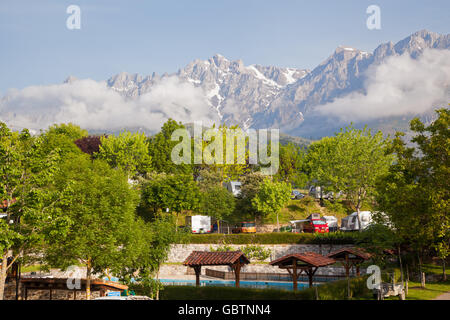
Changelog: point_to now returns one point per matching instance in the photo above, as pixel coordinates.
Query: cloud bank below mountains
(93, 105)
(401, 86)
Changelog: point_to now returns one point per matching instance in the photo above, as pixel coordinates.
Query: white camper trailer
(350, 222)
(198, 224)
(332, 222)
(234, 187)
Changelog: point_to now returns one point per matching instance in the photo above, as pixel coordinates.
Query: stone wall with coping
(179, 252)
(168, 270)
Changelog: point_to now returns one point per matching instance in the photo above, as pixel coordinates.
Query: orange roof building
(308, 262)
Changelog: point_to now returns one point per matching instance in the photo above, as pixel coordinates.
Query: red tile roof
(207, 258)
(310, 258)
(359, 252)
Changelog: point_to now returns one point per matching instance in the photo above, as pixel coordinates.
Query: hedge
(274, 238)
(336, 290)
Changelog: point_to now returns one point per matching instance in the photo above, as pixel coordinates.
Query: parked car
(350, 222)
(295, 194)
(332, 222)
(245, 227)
(318, 192)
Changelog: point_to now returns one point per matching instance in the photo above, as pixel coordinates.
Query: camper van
(312, 224)
(350, 223)
(198, 224)
(332, 222)
(234, 187)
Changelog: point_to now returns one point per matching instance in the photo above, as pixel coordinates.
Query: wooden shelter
(350, 257)
(233, 259)
(61, 284)
(296, 263)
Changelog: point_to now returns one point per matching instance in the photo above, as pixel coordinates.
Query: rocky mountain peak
(268, 96)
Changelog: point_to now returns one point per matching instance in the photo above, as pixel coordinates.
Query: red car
(315, 226)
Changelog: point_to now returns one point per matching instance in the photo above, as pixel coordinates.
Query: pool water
(230, 283)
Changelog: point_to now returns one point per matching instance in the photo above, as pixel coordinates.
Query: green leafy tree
(151, 243)
(26, 173)
(291, 165)
(175, 192)
(250, 184)
(62, 137)
(127, 151)
(272, 197)
(208, 179)
(414, 193)
(160, 149)
(217, 202)
(101, 211)
(350, 162)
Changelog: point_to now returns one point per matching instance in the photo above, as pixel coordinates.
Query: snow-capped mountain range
(268, 96)
(384, 89)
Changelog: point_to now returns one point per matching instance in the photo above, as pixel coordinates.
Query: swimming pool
(230, 283)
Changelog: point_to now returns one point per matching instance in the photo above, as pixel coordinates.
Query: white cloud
(400, 86)
(93, 105)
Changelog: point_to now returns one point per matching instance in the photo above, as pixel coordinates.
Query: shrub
(336, 290)
(307, 201)
(255, 252)
(223, 248)
(336, 207)
(274, 238)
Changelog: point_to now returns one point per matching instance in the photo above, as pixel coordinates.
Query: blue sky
(163, 36)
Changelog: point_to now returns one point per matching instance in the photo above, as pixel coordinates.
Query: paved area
(445, 296)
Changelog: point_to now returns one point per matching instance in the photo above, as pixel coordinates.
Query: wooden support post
(50, 293)
(198, 270)
(26, 293)
(237, 273)
(294, 273)
(74, 294)
(347, 266)
(357, 270)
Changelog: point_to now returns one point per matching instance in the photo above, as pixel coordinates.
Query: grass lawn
(336, 290)
(435, 269)
(431, 290)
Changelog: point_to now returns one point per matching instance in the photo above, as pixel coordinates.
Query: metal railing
(269, 276)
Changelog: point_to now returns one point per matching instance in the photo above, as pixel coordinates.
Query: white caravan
(234, 187)
(332, 222)
(198, 224)
(350, 222)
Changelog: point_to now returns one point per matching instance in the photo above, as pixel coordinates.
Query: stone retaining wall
(168, 270)
(179, 252)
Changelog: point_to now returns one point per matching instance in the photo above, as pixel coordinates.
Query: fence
(269, 276)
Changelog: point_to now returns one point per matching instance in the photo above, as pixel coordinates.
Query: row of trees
(67, 207)
(65, 192)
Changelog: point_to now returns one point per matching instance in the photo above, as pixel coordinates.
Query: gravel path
(445, 296)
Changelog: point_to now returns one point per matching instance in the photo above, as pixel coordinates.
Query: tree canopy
(127, 151)
(350, 162)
